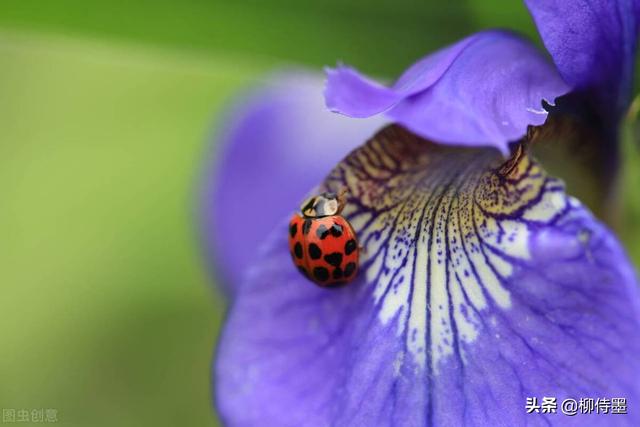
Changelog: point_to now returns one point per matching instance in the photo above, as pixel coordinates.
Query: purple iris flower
(486, 292)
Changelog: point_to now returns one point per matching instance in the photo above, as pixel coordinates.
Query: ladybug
(322, 243)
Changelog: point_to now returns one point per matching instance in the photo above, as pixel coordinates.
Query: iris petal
(483, 90)
(266, 161)
(593, 43)
(482, 283)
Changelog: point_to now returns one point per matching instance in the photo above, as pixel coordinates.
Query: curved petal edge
(482, 91)
(593, 43)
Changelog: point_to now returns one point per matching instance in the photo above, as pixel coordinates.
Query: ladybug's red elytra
(323, 244)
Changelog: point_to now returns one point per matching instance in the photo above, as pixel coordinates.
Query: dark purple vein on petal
(442, 229)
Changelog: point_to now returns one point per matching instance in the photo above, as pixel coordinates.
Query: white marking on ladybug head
(325, 204)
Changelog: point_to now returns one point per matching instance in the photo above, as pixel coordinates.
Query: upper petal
(273, 148)
(482, 284)
(593, 43)
(483, 90)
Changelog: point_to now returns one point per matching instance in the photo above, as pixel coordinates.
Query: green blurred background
(108, 312)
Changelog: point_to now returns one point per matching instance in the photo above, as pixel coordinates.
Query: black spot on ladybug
(306, 226)
(314, 251)
(336, 230)
(350, 246)
(349, 269)
(322, 232)
(337, 273)
(334, 258)
(298, 250)
(303, 270)
(321, 274)
(293, 229)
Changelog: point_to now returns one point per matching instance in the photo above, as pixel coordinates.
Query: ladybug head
(325, 204)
